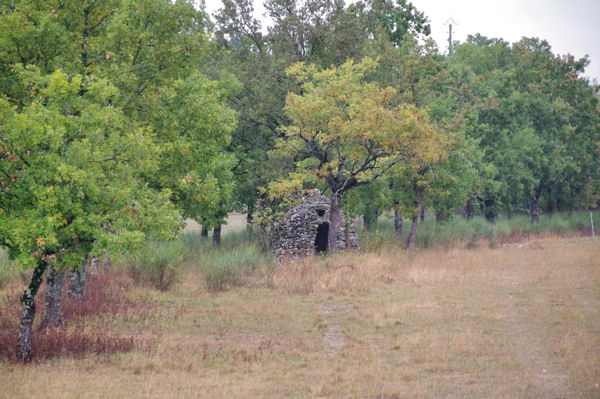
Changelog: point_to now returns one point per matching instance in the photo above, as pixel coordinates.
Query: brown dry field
(522, 321)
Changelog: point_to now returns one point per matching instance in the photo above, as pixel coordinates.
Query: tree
(421, 77)
(243, 52)
(115, 100)
(345, 133)
(323, 32)
(397, 19)
(69, 168)
(533, 109)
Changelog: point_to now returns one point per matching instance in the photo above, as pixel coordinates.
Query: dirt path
(544, 374)
(546, 378)
(333, 337)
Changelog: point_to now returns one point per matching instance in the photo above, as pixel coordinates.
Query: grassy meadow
(489, 315)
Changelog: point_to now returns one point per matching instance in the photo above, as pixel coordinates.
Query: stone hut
(305, 230)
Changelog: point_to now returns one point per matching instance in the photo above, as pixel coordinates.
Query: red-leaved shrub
(75, 337)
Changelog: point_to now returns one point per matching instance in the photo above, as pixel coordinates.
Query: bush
(194, 244)
(73, 338)
(159, 263)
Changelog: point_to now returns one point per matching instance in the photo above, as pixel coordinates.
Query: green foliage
(324, 33)
(7, 269)
(109, 129)
(397, 18)
(349, 127)
(534, 121)
(59, 175)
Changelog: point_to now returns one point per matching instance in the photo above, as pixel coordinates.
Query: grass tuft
(222, 268)
(159, 263)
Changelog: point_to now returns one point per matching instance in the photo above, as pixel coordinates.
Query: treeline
(119, 119)
(499, 127)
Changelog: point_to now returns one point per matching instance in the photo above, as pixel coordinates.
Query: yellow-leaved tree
(346, 131)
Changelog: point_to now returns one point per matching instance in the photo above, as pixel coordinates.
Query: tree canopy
(109, 134)
(347, 132)
(119, 119)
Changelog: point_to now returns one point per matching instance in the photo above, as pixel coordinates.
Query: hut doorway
(322, 238)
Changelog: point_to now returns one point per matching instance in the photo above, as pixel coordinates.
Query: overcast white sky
(570, 26)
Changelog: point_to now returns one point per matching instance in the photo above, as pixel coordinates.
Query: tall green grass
(238, 256)
(224, 268)
(161, 263)
(457, 230)
(158, 262)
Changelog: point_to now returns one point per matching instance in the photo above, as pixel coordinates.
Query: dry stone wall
(299, 233)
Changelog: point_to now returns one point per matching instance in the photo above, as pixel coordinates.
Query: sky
(569, 26)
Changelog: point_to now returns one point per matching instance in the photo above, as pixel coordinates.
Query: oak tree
(347, 132)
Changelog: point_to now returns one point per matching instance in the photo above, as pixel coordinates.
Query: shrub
(159, 263)
(104, 296)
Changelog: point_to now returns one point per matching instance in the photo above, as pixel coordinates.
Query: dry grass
(512, 322)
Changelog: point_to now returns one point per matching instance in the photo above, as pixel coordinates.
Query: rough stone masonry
(304, 230)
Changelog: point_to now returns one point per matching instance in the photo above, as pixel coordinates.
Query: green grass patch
(458, 230)
(162, 262)
(222, 268)
(159, 263)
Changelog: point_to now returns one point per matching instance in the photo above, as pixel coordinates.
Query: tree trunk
(535, 211)
(216, 239)
(370, 218)
(204, 232)
(250, 216)
(535, 205)
(367, 222)
(490, 212)
(76, 280)
(413, 228)
(23, 351)
(469, 210)
(55, 281)
(374, 215)
(335, 216)
(398, 224)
